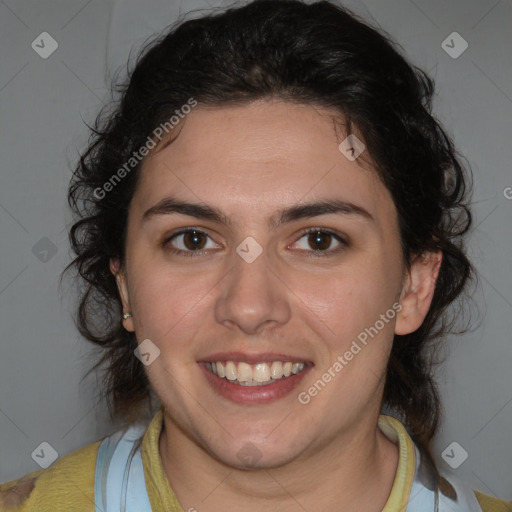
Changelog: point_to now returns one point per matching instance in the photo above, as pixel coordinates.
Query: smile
(260, 374)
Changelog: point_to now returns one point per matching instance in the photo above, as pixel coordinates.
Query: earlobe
(418, 291)
(122, 287)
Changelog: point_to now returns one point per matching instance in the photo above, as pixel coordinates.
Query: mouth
(259, 374)
(254, 382)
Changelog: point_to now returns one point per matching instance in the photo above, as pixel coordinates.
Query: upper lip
(264, 357)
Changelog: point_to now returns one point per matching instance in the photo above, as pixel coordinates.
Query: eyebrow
(171, 205)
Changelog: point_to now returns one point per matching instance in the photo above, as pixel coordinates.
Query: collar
(162, 496)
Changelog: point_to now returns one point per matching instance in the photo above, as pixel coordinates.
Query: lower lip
(253, 394)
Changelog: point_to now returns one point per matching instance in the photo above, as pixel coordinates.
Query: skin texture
(250, 162)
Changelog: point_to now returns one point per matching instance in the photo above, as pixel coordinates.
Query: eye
(190, 240)
(320, 240)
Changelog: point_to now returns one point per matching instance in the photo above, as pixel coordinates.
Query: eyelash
(312, 253)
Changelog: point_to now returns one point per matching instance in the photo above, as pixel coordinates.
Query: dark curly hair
(315, 54)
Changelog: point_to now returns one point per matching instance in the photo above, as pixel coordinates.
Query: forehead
(265, 154)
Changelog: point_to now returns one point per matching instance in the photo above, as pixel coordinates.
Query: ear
(417, 291)
(122, 287)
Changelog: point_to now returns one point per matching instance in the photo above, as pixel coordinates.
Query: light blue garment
(119, 484)
(120, 487)
(433, 491)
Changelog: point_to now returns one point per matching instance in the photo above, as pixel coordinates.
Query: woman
(270, 230)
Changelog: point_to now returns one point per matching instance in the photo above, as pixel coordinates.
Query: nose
(253, 297)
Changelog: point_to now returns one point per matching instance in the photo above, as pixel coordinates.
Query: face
(266, 267)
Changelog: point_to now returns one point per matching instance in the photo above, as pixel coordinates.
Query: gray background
(43, 106)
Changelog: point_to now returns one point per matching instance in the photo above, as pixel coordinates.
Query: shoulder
(490, 504)
(68, 483)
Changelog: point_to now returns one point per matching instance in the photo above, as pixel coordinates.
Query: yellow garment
(404, 477)
(68, 485)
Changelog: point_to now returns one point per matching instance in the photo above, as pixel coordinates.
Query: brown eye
(320, 241)
(189, 241)
(194, 240)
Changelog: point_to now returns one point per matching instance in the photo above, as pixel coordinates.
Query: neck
(359, 477)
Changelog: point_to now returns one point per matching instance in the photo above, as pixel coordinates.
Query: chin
(250, 455)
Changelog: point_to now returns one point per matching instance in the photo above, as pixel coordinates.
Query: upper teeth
(258, 374)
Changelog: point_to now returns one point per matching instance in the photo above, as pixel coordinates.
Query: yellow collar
(162, 497)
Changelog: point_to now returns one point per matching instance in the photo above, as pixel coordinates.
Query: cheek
(355, 313)
(345, 302)
(167, 302)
